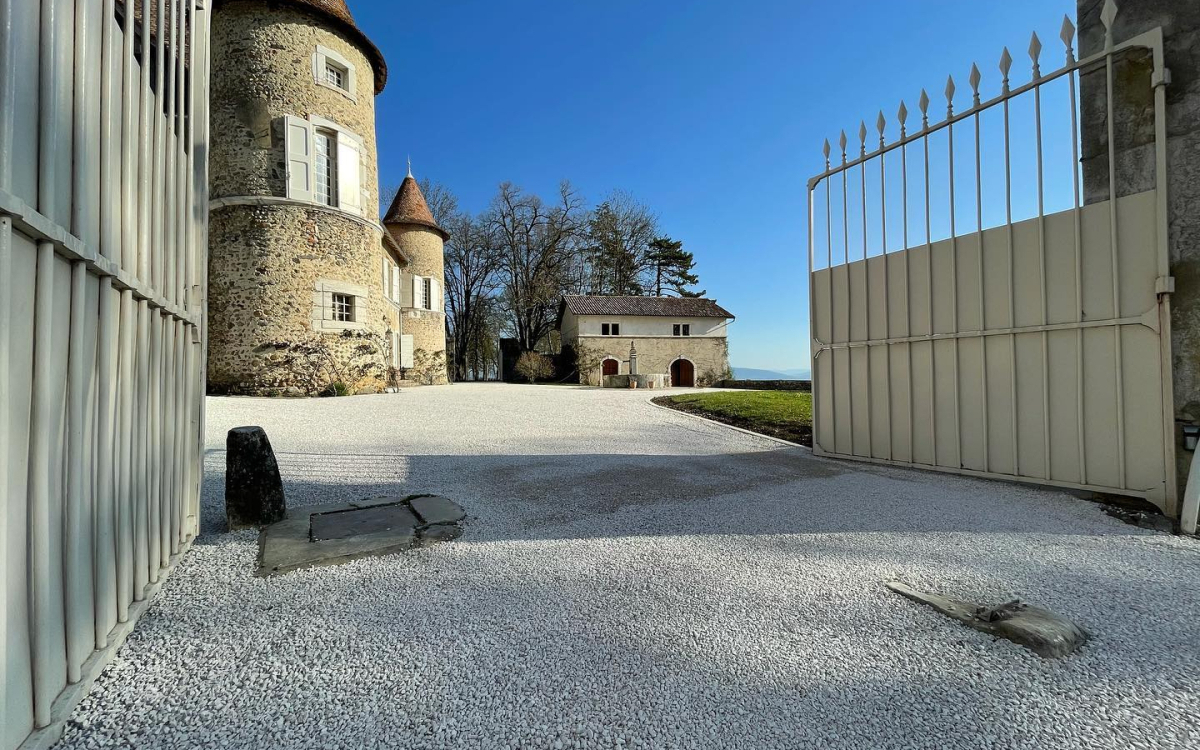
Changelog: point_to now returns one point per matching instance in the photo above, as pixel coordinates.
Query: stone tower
(298, 260)
(411, 225)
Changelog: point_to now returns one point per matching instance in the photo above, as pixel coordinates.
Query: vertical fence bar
(983, 354)
(154, 444)
(145, 172)
(127, 456)
(110, 183)
(923, 102)
(954, 274)
(830, 352)
(1005, 66)
(902, 116)
(5, 364)
(158, 196)
(862, 173)
(130, 170)
(1035, 47)
(7, 128)
(105, 536)
(167, 447)
(812, 324)
(1067, 35)
(887, 275)
(76, 532)
(849, 290)
(1110, 111)
(42, 605)
(141, 431)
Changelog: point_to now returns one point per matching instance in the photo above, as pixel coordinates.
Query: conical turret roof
(409, 207)
(339, 13)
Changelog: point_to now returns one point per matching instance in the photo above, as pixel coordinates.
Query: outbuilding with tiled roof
(683, 338)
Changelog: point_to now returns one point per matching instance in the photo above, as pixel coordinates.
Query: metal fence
(1031, 347)
(103, 126)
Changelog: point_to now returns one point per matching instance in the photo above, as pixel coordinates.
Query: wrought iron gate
(1033, 348)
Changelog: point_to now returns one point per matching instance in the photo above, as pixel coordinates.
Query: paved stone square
(631, 576)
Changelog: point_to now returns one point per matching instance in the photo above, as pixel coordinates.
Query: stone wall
(265, 261)
(264, 265)
(262, 71)
(709, 356)
(1134, 137)
(424, 248)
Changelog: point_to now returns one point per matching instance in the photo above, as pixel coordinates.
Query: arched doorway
(683, 374)
(609, 367)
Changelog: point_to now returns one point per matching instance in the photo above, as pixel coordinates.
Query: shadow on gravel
(785, 491)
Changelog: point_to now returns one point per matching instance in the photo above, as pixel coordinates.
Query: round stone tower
(299, 292)
(411, 224)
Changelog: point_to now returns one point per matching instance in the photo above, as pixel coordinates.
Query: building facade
(418, 287)
(103, 144)
(684, 338)
(305, 284)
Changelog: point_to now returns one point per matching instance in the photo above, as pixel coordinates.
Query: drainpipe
(1189, 518)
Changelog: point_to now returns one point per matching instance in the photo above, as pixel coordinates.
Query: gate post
(1134, 127)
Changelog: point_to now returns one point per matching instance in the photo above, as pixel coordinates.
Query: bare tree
(472, 279)
(537, 243)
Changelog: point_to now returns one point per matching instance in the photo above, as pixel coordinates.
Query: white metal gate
(1030, 348)
(103, 215)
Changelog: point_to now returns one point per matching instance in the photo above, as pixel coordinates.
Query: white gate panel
(1033, 349)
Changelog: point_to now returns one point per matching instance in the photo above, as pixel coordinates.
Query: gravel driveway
(635, 577)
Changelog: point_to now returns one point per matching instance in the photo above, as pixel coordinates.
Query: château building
(305, 286)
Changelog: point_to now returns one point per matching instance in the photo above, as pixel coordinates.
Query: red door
(683, 375)
(609, 367)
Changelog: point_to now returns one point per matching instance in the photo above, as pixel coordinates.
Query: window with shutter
(427, 294)
(415, 287)
(325, 168)
(349, 188)
(298, 137)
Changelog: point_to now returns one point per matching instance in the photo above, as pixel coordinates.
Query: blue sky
(712, 113)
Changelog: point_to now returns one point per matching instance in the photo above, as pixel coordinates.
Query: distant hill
(751, 373)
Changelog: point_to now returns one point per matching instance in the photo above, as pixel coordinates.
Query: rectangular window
(427, 294)
(326, 168)
(343, 308)
(604, 329)
(613, 329)
(335, 75)
(687, 329)
(675, 330)
(681, 329)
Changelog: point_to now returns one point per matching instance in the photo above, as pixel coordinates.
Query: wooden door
(683, 375)
(609, 367)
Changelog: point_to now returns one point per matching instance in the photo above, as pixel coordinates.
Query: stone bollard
(253, 488)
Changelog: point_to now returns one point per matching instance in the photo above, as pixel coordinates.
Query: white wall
(641, 325)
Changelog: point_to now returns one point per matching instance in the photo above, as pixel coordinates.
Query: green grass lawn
(782, 414)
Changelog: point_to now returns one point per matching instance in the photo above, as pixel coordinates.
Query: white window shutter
(349, 169)
(406, 350)
(418, 291)
(396, 283)
(298, 142)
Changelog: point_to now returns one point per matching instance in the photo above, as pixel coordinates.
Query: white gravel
(632, 577)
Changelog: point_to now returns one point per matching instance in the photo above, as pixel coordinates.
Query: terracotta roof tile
(409, 207)
(673, 307)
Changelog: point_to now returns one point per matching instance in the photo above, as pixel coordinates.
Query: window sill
(340, 90)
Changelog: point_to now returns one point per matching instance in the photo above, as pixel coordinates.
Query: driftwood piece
(1040, 630)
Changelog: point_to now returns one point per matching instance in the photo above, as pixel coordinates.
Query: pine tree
(673, 268)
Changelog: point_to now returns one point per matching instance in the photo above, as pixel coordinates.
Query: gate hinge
(1160, 77)
(1164, 285)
